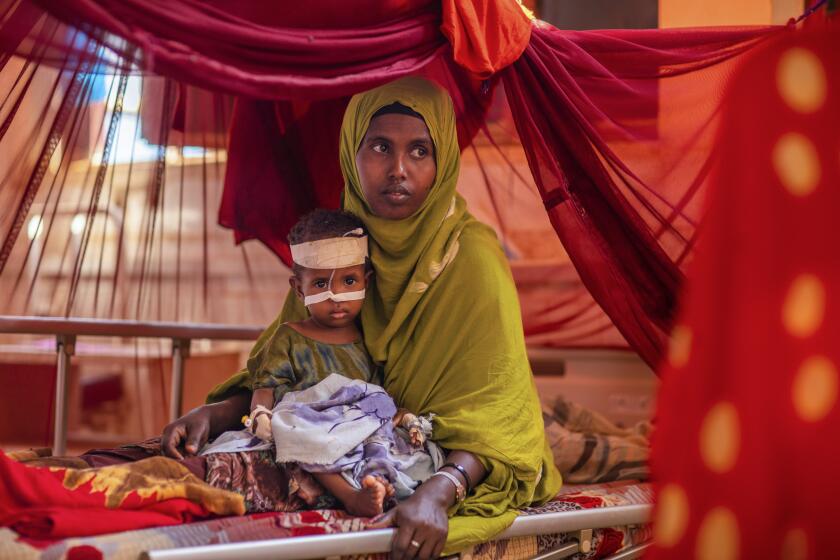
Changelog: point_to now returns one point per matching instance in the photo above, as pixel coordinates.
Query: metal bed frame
(580, 522)
(66, 331)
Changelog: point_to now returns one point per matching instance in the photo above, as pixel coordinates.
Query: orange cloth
(486, 35)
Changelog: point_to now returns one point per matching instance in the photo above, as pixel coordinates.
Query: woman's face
(396, 163)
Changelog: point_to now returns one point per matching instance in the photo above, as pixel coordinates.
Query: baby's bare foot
(369, 500)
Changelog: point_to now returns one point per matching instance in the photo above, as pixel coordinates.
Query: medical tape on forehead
(335, 252)
(325, 295)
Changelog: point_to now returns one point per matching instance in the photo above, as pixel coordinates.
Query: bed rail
(66, 330)
(379, 541)
(128, 329)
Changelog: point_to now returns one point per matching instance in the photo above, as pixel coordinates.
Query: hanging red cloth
(209, 45)
(617, 125)
(486, 35)
(745, 455)
(618, 157)
(283, 156)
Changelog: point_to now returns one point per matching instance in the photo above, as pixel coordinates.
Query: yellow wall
(691, 13)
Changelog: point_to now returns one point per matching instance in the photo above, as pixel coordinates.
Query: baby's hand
(262, 427)
(416, 436)
(259, 423)
(415, 432)
(419, 428)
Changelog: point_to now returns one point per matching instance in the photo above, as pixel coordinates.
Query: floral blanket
(120, 493)
(130, 544)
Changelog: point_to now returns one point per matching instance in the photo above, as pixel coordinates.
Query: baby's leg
(366, 501)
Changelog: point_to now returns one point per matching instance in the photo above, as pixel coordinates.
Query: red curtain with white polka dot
(746, 457)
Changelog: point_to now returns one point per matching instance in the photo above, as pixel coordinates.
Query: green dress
(289, 361)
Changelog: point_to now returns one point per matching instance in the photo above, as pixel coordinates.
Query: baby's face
(333, 314)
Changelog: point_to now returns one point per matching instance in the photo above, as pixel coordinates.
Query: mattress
(268, 530)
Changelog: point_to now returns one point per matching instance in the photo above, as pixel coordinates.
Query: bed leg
(65, 347)
(180, 352)
(583, 545)
(584, 538)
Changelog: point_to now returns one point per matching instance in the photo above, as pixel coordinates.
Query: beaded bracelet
(463, 472)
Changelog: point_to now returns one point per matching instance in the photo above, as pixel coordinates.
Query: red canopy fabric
(745, 456)
(617, 125)
(618, 159)
(282, 162)
(212, 47)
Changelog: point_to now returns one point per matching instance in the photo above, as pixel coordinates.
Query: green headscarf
(400, 248)
(443, 319)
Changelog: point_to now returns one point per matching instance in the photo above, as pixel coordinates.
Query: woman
(442, 319)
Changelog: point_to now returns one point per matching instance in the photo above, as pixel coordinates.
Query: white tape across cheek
(325, 295)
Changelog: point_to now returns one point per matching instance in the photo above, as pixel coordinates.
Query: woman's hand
(421, 521)
(193, 429)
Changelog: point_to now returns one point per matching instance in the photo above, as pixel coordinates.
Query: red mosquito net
(604, 137)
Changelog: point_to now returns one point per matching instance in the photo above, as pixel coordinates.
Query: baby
(316, 389)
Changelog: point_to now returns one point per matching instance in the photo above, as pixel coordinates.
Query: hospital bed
(575, 525)
(586, 521)
(565, 534)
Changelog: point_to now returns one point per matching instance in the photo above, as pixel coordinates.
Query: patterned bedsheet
(604, 541)
(129, 544)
